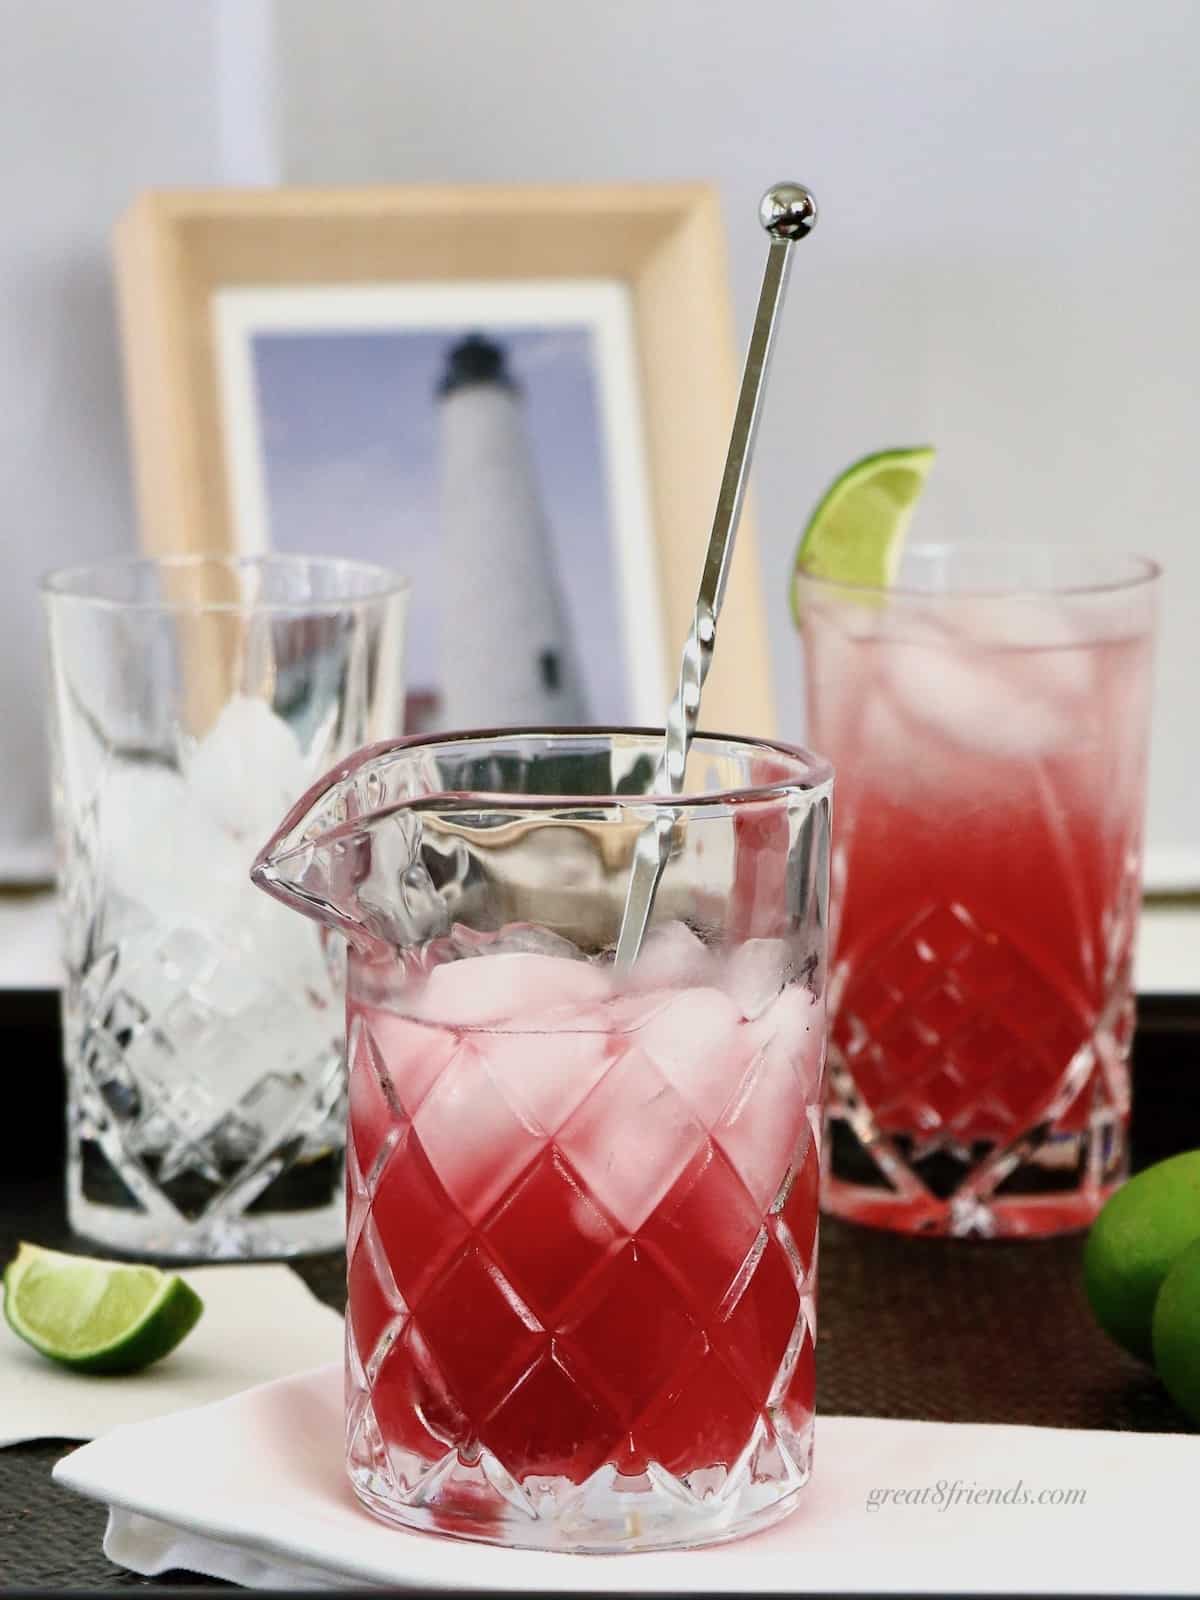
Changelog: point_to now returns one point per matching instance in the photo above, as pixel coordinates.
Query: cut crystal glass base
(219, 1239)
(1051, 1178)
(264, 1177)
(974, 1087)
(605, 1515)
(476, 1498)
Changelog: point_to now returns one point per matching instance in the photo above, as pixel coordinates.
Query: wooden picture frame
(177, 251)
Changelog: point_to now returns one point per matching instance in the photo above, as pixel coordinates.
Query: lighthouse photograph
(507, 649)
(487, 461)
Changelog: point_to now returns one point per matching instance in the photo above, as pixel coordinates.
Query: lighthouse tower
(505, 655)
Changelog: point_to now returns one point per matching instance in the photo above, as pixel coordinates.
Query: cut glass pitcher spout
(347, 852)
(417, 839)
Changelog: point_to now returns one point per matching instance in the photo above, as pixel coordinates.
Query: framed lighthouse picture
(485, 439)
(519, 398)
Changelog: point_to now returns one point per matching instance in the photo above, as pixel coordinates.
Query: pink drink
(582, 1232)
(991, 753)
(582, 1224)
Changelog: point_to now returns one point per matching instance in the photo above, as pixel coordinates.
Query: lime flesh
(96, 1316)
(856, 534)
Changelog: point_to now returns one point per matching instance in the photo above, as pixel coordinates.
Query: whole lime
(1176, 1331)
(1133, 1244)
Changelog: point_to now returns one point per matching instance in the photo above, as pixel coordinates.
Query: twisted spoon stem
(788, 212)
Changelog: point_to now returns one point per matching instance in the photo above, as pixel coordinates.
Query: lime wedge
(857, 532)
(96, 1316)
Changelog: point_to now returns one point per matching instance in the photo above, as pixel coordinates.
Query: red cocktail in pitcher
(989, 719)
(582, 1206)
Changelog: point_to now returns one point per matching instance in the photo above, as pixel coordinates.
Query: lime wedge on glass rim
(856, 534)
(96, 1316)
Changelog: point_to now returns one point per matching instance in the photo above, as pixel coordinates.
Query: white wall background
(96, 100)
(1006, 262)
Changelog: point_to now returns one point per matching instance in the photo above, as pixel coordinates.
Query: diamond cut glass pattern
(602, 1339)
(582, 1203)
(989, 720)
(194, 699)
(912, 1024)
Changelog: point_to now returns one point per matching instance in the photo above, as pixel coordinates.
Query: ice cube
(411, 1055)
(475, 1140)
(694, 1042)
(199, 1066)
(159, 849)
(1048, 636)
(630, 1139)
(792, 1030)
(976, 700)
(764, 1128)
(518, 938)
(533, 990)
(178, 844)
(1008, 621)
(247, 770)
(186, 955)
(629, 1010)
(755, 974)
(1009, 674)
(547, 1075)
(233, 985)
(846, 613)
(671, 957)
(260, 943)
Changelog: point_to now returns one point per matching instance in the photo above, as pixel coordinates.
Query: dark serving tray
(1010, 1333)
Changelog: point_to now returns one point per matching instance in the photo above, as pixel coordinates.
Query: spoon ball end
(788, 211)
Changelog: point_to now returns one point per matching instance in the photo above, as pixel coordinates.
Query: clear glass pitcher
(582, 1208)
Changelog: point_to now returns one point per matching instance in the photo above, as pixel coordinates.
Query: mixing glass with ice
(582, 1207)
(988, 717)
(193, 698)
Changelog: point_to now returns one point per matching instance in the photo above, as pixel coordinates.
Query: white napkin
(259, 1323)
(252, 1490)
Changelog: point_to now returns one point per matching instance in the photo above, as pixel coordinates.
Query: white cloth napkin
(259, 1323)
(253, 1490)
